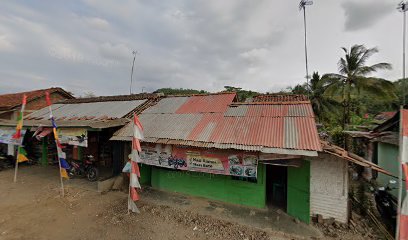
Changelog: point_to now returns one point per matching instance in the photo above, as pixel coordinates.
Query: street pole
(131, 73)
(307, 67)
(402, 7)
(302, 6)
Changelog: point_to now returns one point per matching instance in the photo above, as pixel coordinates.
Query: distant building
(10, 104)
(10, 107)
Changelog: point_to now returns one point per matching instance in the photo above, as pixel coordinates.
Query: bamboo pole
(16, 167)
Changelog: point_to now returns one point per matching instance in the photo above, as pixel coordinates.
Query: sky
(86, 45)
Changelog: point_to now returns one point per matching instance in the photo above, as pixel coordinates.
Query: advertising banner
(73, 136)
(6, 136)
(209, 161)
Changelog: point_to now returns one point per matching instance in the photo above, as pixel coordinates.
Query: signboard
(73, 136)
(216, 162)
(6, 136)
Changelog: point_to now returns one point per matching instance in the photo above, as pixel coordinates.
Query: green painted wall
(299, 192)
(212, 186)
(145, 174)
(388, 159)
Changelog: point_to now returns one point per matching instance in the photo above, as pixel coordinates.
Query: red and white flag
(403, 224)
(134, 170)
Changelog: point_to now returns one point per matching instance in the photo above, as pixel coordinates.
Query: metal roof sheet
(267, 127)
(280, 98)
(87, 111)
(167, 105)
(214, 103)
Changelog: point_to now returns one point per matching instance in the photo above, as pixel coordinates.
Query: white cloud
(87, 45)
(5, 44)
(97, 23)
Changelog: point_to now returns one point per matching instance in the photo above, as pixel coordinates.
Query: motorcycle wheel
(92, 174)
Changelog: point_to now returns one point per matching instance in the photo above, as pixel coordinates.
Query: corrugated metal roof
(167, 105)
(237, 111)
(280, 98)
(97, 124)
(213, 103)
(88, 111)
(275, 128)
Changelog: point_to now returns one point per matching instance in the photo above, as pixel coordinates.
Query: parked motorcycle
(386, 203)
(86, 168)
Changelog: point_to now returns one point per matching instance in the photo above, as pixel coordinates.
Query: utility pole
(302, 6)
(131, 73)
(402, 7)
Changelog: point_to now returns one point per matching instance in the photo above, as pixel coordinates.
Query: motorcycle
(386, 203)
(86, 168)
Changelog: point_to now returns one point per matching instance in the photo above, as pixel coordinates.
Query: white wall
(329, 187)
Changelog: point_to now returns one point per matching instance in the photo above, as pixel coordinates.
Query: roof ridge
(36, 90)
(112, 98)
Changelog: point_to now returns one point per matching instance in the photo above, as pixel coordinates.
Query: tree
(323, 106)
(88, 94)
(242, 95)
(353, 79)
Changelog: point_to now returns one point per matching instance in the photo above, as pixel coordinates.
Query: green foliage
(242, 95)
(179, 91)
(337, 135)
(354, 80)
(401, 87)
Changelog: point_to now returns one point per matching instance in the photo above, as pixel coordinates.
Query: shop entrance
(276, 186)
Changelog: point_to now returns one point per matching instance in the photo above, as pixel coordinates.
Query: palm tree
(353, 79)
(323, 106)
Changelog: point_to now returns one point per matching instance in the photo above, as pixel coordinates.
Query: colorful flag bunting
(18, 136)
(19, 126)
(22, 155)
(61, 154)
(134, 168)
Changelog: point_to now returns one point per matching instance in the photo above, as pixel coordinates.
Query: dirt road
(33, 209)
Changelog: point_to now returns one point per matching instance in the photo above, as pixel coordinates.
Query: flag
(64, 165)
(134, 168)
(19, 126)
(22, 155)
(403, 225)
(64, 173)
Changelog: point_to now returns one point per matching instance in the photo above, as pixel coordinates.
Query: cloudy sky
(87, 45)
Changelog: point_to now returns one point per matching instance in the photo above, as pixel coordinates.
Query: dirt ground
(33, 209)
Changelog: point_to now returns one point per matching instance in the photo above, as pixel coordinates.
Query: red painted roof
(216, 121)
(216, 103)
(275, 126)
(9, 101)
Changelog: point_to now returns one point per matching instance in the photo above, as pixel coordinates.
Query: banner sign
(6, 136)
(209, 161)
(73, 136)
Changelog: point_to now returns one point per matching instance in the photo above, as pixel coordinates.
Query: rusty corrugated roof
(280, 98)
(214, 120)
(213, 103)
(8, 101)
